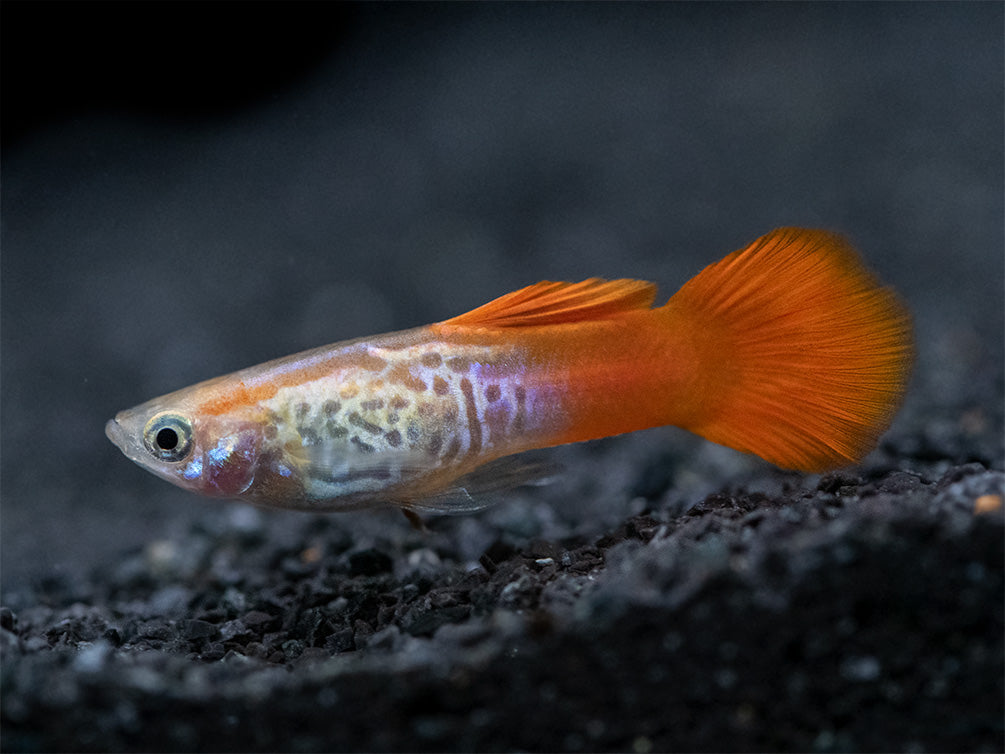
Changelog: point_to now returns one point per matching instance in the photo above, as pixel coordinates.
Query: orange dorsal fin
(805, 355)
(550, 303)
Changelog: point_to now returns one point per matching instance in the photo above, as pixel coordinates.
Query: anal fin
(480, 488)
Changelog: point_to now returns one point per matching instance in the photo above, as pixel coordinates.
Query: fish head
(219, 456)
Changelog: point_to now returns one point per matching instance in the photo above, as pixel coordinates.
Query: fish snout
(115, 433)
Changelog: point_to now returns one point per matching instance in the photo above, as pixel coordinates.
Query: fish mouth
(115, 433)
(125, 440)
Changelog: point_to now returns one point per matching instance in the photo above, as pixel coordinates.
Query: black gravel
(662, 593)
(864, 613)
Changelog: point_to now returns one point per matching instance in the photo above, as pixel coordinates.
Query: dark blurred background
(191, 188)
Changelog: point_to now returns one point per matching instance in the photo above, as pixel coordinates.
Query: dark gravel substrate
(239, 200)
(862, 614)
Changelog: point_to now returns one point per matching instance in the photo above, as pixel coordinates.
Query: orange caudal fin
(804, 355)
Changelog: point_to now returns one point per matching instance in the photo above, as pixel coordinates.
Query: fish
(789, 349)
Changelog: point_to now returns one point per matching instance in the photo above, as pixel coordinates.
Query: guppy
(789, 349)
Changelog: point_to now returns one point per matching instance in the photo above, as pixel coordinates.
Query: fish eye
(168, 436)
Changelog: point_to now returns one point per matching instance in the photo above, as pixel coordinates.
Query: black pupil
(167, 439)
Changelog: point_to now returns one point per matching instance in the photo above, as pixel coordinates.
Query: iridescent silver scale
(398, 414)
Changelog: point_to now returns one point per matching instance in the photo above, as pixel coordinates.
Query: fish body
(788, 349)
